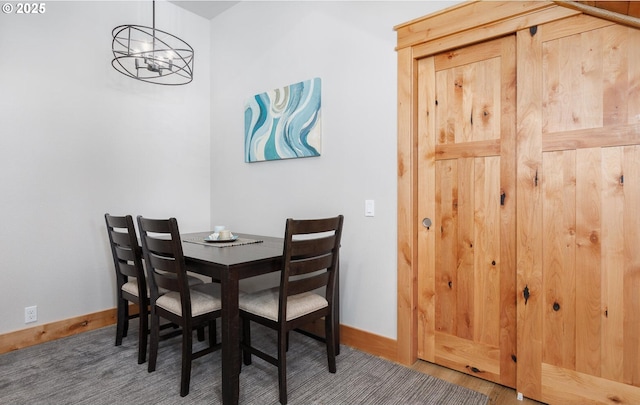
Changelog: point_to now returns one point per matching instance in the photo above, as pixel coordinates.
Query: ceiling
(205, 8)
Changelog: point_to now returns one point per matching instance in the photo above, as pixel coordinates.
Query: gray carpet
(89, 369)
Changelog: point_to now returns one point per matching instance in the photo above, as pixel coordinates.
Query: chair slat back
(307, 284)
(163, 254)
(311, 257)
(126, 252)
(315, 247)
(310, 263)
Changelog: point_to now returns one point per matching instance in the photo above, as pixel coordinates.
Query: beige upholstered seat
(204, 298)
(265, 304)
(190, 307)
(131, 286)
(310, 263)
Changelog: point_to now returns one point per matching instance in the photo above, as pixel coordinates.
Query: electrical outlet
(30, 314)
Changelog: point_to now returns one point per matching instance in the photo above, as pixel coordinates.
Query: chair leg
(213, 333)
(331, 343)
(282, 366)
(246, 339)
(142, 335)
(201, 334)
(122, 320)
(155, 338)
(287, 340)
(187, 350)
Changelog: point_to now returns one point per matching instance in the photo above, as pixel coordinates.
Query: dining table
(248, 256)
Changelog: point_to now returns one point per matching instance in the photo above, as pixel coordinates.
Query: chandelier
(151, 55)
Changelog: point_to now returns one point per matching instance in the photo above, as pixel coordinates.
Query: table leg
(230, 339)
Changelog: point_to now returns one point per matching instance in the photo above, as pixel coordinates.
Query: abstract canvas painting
(284, 123)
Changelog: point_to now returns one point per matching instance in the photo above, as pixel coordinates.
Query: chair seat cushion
(131, 286)
(205, 298)
(265, 304)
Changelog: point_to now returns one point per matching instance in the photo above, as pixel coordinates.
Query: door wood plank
(559, 225)
(631, 288)
(588, 261)
(469, 357)
(486, 265)
(468, 55)
(508, 330)
(568, 387)
(468, 149)
(572, 26)
(616, 75)
(426, 208)
(529, 214)
(464, 277)
(407, 228)
(486, 106)
(446, 282)
(613, 261)
(616, 135)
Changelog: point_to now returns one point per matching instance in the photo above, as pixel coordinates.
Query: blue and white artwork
(284, 123)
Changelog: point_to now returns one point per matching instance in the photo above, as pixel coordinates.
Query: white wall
(259, 46)
(78, 139)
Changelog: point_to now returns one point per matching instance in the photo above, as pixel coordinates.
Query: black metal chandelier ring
(151, 55)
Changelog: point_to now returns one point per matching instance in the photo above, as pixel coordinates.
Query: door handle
(426, 222)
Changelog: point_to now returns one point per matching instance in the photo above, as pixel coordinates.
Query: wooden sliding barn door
(466, 195)
(579, 212)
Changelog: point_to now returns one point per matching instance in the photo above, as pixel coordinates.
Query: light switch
(369, 208)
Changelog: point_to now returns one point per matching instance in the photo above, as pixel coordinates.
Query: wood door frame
(454, 27)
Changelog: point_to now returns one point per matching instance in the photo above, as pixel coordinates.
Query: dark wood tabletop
(209, 259)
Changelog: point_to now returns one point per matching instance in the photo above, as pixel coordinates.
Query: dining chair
(131, 282)
(305, 293)
(130, 279)
(190, 307)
